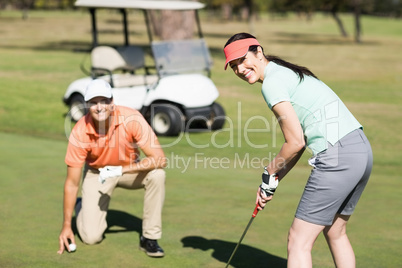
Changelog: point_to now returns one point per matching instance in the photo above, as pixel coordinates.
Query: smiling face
(250, 68)
(100, 109)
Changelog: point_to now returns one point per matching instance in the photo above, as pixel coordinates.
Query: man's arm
(71, 187)
(155, 158)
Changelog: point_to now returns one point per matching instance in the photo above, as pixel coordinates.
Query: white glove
(109, 172)
(269, 183)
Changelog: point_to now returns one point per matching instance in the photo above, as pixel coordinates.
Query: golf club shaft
(244, 233)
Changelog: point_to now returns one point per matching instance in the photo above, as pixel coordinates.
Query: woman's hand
(262, 199)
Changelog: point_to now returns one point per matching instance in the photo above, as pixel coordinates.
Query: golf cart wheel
(77, 107)
(217, 119)
(166, 120)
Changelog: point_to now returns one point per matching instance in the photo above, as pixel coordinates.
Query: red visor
(238, 49)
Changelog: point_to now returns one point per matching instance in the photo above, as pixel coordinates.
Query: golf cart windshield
(181, 56)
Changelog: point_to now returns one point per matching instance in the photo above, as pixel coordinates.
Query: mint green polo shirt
(322, 115)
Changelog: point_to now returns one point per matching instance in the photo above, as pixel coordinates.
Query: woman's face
(251, 67)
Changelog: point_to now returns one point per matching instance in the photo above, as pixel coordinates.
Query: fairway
(212, 178)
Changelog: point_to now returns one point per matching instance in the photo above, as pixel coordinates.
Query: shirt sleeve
(140, 130)
(76, 153)
(275, 90)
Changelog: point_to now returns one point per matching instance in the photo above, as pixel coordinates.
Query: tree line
(243, 8)
(247, 10)
(250, 9)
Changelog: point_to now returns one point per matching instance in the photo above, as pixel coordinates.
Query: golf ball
(72, 247)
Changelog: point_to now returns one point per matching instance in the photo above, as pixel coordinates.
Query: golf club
(244, 233)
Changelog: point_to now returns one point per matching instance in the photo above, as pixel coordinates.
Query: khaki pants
(91, 220)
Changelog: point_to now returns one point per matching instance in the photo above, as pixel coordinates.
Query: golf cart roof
(141, 4)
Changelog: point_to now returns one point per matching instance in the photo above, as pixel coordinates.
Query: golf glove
(109, 172)
(269, 183)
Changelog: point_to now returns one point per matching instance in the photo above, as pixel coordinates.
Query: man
(106, 144)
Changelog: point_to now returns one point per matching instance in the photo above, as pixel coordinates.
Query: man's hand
(65, 239)
(109, 172)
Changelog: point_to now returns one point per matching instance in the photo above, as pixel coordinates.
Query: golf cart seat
(106, 61)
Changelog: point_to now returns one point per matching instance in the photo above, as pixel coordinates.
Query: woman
(309, 114)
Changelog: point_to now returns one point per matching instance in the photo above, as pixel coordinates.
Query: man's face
(100, 109)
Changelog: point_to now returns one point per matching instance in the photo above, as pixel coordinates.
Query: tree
(173, 24)
(357, 11)
(332, 6)
(335, 7)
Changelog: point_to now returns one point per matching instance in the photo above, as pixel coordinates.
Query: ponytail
(299, 70)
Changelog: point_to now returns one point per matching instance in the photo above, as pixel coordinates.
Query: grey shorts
(337, 180)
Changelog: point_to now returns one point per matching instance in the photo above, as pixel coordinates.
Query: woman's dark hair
(299, 70)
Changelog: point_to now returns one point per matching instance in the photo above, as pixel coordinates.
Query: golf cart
(174, 95)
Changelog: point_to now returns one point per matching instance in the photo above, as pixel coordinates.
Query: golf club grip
(255, 210)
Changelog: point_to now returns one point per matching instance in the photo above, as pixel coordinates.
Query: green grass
(207, 205)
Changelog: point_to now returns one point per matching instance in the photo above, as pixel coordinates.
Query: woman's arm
(291, 150)
(293, 147)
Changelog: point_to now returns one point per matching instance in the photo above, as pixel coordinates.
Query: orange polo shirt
(128, 132)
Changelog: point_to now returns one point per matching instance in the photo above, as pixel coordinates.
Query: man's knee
(89, 233)
(156, 176)
(91, 238)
